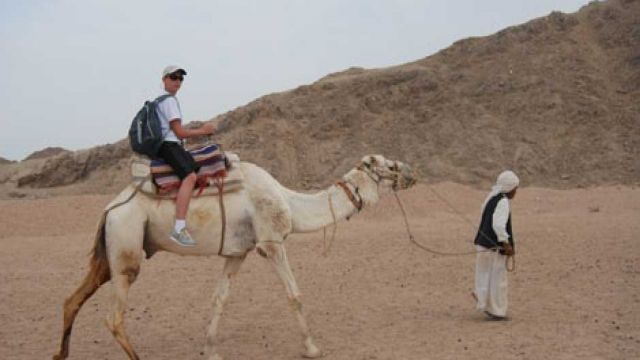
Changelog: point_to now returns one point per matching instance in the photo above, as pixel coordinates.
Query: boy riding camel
(172, 151)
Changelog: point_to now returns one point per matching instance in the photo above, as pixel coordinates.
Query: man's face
(511, 194)
(172, 82)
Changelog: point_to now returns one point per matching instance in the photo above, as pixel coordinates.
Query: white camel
(260, 215)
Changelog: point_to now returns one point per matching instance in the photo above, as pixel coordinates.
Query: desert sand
(554, 99)
(574, 295)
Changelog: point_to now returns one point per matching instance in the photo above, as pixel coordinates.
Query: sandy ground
(575, 294)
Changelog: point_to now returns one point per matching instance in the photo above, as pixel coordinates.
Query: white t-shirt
(167, 110)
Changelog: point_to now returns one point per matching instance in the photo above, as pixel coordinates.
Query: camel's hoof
(312, 353)
(59, 357)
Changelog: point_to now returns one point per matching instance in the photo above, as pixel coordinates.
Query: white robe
(491, 282)
(491, 268)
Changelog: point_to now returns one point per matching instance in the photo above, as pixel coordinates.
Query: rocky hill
(45, 153)
(4, 161)
(555, 99)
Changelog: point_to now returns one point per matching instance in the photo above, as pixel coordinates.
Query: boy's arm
(183, 132)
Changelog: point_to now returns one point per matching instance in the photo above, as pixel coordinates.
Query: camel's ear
(366, 161)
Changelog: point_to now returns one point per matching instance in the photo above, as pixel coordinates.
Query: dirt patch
(575, 293)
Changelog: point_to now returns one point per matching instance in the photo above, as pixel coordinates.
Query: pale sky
(77, 71)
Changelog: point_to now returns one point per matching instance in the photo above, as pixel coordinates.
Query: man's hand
(207, 129)
(508, 249)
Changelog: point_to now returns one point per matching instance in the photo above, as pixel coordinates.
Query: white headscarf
(507, 181)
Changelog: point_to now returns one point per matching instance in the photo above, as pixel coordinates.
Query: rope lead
(510, 258)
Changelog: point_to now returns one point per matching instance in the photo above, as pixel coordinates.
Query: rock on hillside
(555, 99)
(5, 161)
(47, 152)
(70, 167)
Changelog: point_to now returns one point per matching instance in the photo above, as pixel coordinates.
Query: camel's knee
(71, 307)
(218, 302)
(295, 303)
(268, 249)
(114, 323)
(109, 323)
(128, 264)
(262, 249)
(131, 272)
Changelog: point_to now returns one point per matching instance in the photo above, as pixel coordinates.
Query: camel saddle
(157, 179)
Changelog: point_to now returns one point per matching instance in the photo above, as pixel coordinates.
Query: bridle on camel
(355, 197)
(394, 174)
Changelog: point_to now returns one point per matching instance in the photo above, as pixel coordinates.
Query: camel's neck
(311, 212)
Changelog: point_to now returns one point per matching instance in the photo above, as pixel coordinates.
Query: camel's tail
(98, 275)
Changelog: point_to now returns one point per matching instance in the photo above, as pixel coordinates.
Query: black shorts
(180, 160)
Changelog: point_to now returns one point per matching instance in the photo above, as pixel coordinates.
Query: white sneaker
(182, 238)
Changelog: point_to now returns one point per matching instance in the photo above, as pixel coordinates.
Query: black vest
(486, 236)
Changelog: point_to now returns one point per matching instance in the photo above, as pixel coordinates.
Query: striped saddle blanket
(213, 165)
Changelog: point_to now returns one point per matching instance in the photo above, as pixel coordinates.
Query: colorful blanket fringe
(212, 166)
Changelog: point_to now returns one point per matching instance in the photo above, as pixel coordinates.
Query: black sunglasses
(175, 77)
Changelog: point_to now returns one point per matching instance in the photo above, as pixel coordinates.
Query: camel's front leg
(231, 267)
(277, 255)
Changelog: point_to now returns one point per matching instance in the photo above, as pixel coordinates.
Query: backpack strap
(161, 98)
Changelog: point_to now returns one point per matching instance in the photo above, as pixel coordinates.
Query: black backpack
(145, 134)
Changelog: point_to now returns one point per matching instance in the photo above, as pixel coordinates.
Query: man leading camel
(494, 243)
(172, 151)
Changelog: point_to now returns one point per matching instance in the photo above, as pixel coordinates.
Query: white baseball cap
(172, 69)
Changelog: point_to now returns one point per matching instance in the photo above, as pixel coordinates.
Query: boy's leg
(185, 167)
(184, 196)
(180, 233)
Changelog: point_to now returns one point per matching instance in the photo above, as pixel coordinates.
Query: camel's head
(395, 174)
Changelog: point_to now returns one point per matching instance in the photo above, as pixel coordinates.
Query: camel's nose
(411, 181)
(408, 176)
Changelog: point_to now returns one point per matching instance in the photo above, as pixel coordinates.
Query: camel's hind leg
(277, 255)
(125, 257)
(122, 276)
(91, 283)
(98, 275)
(231, 267)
